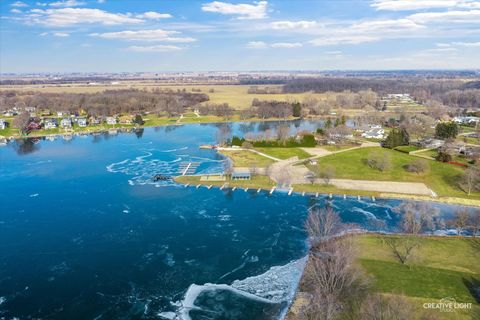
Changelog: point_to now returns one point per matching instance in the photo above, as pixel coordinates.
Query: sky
(190, 35)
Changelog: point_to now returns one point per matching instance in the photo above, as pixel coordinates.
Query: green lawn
(406, 149)
(439, 267)
(285, 153)
(243, 158)
(442, 178)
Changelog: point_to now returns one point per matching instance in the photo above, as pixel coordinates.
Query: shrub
(418, 166)
(379, 160)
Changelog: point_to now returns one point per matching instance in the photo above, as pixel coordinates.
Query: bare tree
(402, 246)
(321, 224)
(461, 220)
(380, 307)
(417, 217)
(310, 176)
(418, 166)
(283, 131)
(379, 160)
(471, 179)
(325, 173)
(21, 120)
(474, 222)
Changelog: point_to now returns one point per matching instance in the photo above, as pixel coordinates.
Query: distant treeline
(452, 93)
(105, 103)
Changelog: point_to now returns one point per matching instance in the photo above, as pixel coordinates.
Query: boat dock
(188, 168)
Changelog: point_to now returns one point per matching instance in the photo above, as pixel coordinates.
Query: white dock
(223, 186)
(234, 188)
(184, 172)
(373, 198)
(273, 189)
(358, 198)
(259, 189)
(290, 191)
(330, 196)
(246, 189)
(316, 195)
(187, 185)
(303, 194)
(344, 196)
(209, 187)
(198, 186)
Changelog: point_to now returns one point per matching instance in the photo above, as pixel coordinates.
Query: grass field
(285, 153)
(243, 158)
(441, 268)
(236, 96)
(442, 178)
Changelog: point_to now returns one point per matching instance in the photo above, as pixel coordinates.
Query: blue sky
(184, 35)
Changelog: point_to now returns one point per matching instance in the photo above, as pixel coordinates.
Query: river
(86, 234)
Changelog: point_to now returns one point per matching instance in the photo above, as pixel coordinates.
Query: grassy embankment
(442, 178)
(284, 153)
(441, 267)
(257, 182)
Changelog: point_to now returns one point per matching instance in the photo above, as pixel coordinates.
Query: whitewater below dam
(85, 233)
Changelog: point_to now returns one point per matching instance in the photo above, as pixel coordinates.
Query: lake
(86, 234)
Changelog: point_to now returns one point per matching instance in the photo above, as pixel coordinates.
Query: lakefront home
(111, 120)
(66, 123)
(50, 124)
(377, 133)
(82, 122)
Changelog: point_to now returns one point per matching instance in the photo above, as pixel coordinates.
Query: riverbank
(441, 267)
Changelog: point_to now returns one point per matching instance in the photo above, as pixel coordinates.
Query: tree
(460, 222)
(444, 156)
(416, 217)
(325, 173)
(397, 137)
(382, 307)
(283, 132)
(474, 222)
(321, 224)
(446, 130)
(379, 160)
(402, 246)
(471, 179)
(418, 166)
(138, 120)
(310, 176)
(21, 121)
(296, 109)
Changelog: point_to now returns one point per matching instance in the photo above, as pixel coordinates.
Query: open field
(244, 158)
(441, 267)
(235, 95)
(442, 178)
(285, 153)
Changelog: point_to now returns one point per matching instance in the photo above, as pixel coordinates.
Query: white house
(66, 123)
(111, 120)
(3, 124)
(82, 122)
(374, 134)
(50, 124)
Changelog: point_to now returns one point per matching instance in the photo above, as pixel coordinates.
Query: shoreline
(91, 131)
(238, 185)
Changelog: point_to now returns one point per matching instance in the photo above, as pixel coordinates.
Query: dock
(273, 189)
(290, 191)
(234, 188)
(188, 168)
(316, 195)
(259, 190)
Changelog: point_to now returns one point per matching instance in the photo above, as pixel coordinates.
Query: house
(313, 162)
(82, 122)
(377, 133)
(66, 123)
(3, 124)
(60, 114)
(466, 120)
(50, 124)
(111, 120)
(430, 143)
(127, 119)
(241, 174)
(94, 120)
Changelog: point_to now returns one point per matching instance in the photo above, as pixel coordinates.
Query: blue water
(86, 234)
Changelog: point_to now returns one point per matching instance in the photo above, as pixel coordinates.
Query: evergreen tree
(297, 109)
(446, 130)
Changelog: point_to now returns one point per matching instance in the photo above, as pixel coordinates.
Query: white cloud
(66, 3)
(256, 45)
(285, 25)
(61, 34)
(157, 48)
(263, 45)
(407, 5)
(337, 40)
(43, 34)
(154, 15)
(386, 26)
(286, 45)
(155, 35)
(19, 4)
(258, 10)
(15, 11)
(101, 1)
(74, 16)
(459, 44)
(469, 16)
